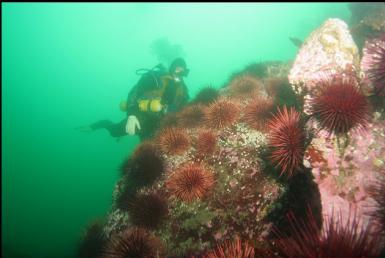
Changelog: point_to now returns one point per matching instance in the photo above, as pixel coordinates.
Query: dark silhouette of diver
(156, 93)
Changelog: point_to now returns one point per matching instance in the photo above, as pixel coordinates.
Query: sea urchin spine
(232, 249)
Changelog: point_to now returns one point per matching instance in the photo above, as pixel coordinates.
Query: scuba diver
(157, 92)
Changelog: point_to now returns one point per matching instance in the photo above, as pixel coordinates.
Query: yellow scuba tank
(152, 105)
(152, 101)
(145, 105)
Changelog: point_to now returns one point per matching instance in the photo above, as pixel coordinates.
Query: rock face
(344, 166)
(331, 49)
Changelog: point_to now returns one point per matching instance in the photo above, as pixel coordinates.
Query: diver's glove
(132, 124)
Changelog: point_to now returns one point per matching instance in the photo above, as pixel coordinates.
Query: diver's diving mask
(181, 71)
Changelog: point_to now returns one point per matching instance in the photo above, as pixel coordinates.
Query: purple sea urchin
(373, 63)
(134, 243)
(377, 192)
(145, 165)
(147, 210)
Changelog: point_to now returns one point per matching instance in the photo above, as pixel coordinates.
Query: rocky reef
(218, 182)
(221, 176)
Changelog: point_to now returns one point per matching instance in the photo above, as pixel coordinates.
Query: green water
(69, 64)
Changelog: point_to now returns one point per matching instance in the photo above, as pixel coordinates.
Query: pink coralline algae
(345, 167)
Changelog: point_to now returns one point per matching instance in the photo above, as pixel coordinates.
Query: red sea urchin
(134, 243)
(232, 249)
(174, 141)
(286, 140)
(257, 112)
(190, 182)
(221, 113)
(373, 64)
(339, 106)
(338, 239)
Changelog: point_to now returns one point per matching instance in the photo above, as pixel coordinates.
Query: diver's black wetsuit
(149, 121)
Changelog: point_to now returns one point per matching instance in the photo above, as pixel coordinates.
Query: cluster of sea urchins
(142, 169)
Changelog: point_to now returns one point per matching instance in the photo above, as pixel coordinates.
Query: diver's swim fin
(84, 129)
(296, 41)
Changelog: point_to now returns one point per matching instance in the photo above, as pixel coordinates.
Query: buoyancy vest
(151, 101)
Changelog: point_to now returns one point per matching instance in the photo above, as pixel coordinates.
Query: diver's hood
(179, 62)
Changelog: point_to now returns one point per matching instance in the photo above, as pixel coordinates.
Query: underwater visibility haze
(285, 116)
